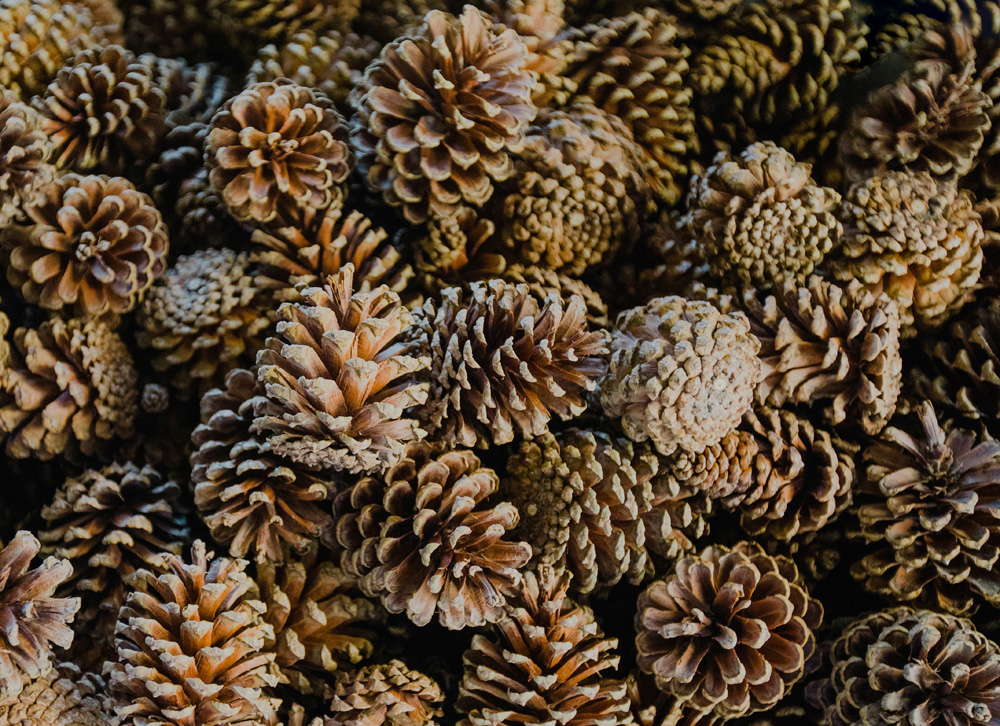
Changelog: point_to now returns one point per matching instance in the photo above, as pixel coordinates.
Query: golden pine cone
(257, 22)
(25, 151)
(62, 696)
(389, 694)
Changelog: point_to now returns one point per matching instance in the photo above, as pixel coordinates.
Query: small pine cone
(671, 260)
(550, 664)
(439, 113)
(93, 244)
(70, 386)
(582, 496)
(251, 499)
(457, 250)
(202, 218)
(388, 20)
(760, 218)
(203, 318)
(33, 618)
(917, 240)
(422, 539)
(62, 696)
(919, 499)
(504, 364)
(340, 381)
(389, 694)
(543, 282)
(682, 373)
(723, 470)
(191, 646)
(744, 613)
(256, 22)
(677, 519)
(103, 110)
(275, 149)
(25, 151)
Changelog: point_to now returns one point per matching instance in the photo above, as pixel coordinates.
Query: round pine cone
(62, 696)
(251, 499)
(681, 373)
(504, 363)
(70, 386)
(104, 110)
(729, 631)
(440, 111)
(925, 506)
(25, 150)
(389, 694)
(256, 22)
(551, 664)
(276, 149)
(760, 218)
(339, 380)
(202, 319)
(421, 538)
(93, 244)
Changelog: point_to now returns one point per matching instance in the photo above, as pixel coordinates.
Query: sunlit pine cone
(915, 239)
(550, 664)
(677, 520)
(423, 539)
(503, 364)
(723, 470)
(760, 218)
(253, 23)
(541, 25)
(390, 694)
(62, 696)
(440, 112)
(25, 153)
(276, 148)
(93, 244)
(191, 646)
(70, 387)
(257, 503)
(744, 613)
(681, 373)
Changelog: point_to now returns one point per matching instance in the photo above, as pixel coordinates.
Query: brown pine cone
(456, 250)
(760, 218)
(389, 694)
(33, 619)
(682, 373)
(256, 22)
(339, 379)
(194, 91)
(202, 218)
(70, 387)
(541, 25)
(93, 243)
(191, 646)
(551, 664)
(723, 470)
(670, 260)
(504, 364)
(254, 501)
(676, 521)
(729, 631)
(203, 318)
(275, 149)
(462, 106)
(62, 696)
(387, 20)
(543, 282)
(25, 151)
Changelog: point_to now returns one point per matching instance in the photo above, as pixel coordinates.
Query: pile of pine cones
(526, 363)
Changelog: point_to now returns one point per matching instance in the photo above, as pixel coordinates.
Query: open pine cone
(25, 152)
(62, 696)
(389, 694)
(723, 470)
(255, 22)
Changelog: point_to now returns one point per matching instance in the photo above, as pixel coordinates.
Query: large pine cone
(504, 363)
(63, 696)
(93, 244)
(191, 647)
(548, 665)
(389, 694)
(70, 386)
(682, 373)
(25, 151)
(424, 540)
(439, 112)
(729, 631)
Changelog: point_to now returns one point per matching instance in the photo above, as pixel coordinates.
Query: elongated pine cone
(71, 386)
(62, 696)
(339, 380)
(729, 631)
(25, 153)
(504, 363)
(581, 495)
(258, 503)
(93, 244)
(275, 149)
(550, 664)
(760, 218)
(919, 499)
(682, 373)
(389, 694)
(191, 647)
(439, 113)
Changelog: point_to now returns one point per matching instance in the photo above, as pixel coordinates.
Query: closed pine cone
(389, 694)
(457, 250)
(723, 470)
(62, 696)
(256, 22)
(25, 151)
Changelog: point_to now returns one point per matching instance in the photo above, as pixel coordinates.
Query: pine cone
(25, 151)
(94, 244)
(457, 250)
(70, 386)
(549, 665)
(254, 501)
(387, 20)
(202, 319)
(389, 694)
(920, 498)
(760, 218)
(746, 617)
(681, 373)
(33, 619)
(62, 696)
(202, 218)
(670, 260)
(435, 144)
(543, 282)
(277, 148)
(256, 22)
(503, 363)
(339, 380)
(677, 519)
(722, 470)
(173, 29)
